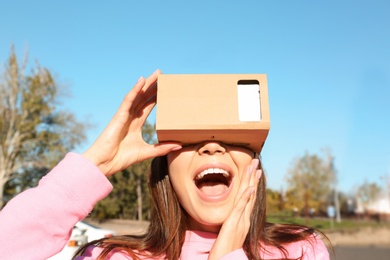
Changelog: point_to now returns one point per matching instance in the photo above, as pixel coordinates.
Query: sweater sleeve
(37, 223)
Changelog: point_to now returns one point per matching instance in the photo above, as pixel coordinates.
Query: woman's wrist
(90, 156)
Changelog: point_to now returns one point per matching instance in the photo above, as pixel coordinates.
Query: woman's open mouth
(213, 182)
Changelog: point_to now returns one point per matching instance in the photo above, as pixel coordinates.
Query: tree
(309, 183)
(368, 192)
(130, 198)
(274, 201)
(34, 133)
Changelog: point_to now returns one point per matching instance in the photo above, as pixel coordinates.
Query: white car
(81, 234)
(93, 232)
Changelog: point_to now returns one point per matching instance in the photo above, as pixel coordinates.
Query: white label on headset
(249, 102)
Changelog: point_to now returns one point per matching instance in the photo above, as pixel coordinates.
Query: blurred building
(377, 209)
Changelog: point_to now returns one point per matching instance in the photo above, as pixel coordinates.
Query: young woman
(209, 200)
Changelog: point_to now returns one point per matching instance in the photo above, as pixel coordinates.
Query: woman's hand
(235, 228)
(121, 144)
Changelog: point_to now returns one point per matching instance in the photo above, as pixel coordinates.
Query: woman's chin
(208, 224)
(206, 228)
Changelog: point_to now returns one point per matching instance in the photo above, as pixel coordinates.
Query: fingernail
(256, 162)
(258, 174)
(176, 148)
(140, 78)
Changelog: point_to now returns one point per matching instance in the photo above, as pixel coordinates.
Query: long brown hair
(168, 224)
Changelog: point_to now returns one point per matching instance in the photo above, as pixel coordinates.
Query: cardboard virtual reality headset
(230, 108)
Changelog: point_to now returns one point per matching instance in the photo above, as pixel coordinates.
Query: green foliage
(310, 181)
(368, 192)
(274, 201)
(324, 224)
(34, 133)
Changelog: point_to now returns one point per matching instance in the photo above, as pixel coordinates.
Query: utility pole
(139, 198)
(336, 194)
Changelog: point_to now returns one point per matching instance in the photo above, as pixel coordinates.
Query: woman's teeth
(212, 171)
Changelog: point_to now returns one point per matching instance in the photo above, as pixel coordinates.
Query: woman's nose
(211, 148)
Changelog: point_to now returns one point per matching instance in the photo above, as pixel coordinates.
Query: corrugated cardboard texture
(192, 108)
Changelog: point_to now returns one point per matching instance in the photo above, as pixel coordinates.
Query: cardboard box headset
(231, 108)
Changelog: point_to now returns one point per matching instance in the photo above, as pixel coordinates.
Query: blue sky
(328, 65)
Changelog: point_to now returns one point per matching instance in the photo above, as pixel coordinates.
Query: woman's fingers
(243, 204)
(160, 149)
(256, 178)
(145, 97)
(149, 81)
(246, 200)
(247, 178)
(121, 143)
(132, 97)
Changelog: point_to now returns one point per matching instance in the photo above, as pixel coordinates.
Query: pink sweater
(37, 223)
